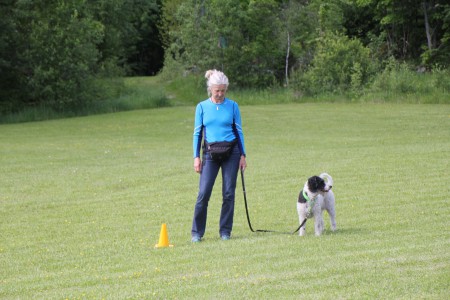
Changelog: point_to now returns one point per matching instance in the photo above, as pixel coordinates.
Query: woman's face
(218, 92)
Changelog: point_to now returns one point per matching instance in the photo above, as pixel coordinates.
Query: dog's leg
(318, 220)
(331, 210)
(318, 224)
(301, 209)
(332, 214)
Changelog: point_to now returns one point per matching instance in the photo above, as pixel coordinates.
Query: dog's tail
(327, 178)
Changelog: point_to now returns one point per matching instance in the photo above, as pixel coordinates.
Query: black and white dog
(316, 197)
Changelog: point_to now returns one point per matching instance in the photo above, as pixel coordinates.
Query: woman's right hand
(198, 165)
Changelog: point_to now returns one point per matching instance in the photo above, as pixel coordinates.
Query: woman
(217, 119)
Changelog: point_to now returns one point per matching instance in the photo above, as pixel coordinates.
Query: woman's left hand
(197, 165)
(242, 163)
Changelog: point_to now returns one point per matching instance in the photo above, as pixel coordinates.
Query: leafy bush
(340, 65)
(401, 83)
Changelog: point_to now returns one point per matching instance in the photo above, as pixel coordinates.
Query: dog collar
(305, 195)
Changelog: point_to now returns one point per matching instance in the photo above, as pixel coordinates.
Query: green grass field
(82, 201)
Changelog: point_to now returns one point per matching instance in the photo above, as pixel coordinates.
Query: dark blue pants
(210, 169)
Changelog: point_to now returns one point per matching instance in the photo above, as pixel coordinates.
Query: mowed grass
(82, 201)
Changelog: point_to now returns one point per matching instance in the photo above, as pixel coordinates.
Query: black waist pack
(220, 151)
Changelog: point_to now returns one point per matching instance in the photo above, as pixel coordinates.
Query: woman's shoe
(196, 239)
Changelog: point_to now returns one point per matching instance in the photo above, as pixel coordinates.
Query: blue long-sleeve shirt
(217, 119)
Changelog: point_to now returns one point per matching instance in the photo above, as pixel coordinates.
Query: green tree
(10, 70)
(60, 53)
(146, 54)
(237, 36)
(408, 30)
(131, 37)
(437, 29)
(262, 54)
(297, 36)
(53, 53)
(168, 22)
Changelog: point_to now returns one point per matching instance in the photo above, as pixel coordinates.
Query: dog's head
(320, 184)
(316, 184)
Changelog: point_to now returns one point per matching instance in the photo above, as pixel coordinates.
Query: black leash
(248, 216)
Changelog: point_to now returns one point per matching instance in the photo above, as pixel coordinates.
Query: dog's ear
(311, 182)
(316, 183)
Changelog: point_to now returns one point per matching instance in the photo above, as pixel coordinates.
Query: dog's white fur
(324, 200)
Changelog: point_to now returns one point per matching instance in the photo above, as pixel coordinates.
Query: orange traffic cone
(163, 238)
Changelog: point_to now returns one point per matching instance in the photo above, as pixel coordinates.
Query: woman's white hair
(214, 77)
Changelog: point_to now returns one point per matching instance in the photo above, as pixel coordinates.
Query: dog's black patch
(315, 184)
(301, 198)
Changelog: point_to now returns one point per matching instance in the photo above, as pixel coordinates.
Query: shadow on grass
(345, 231)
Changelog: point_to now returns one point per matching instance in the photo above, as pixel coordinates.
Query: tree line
(60, 53)
(56, 53)
(313, 46)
